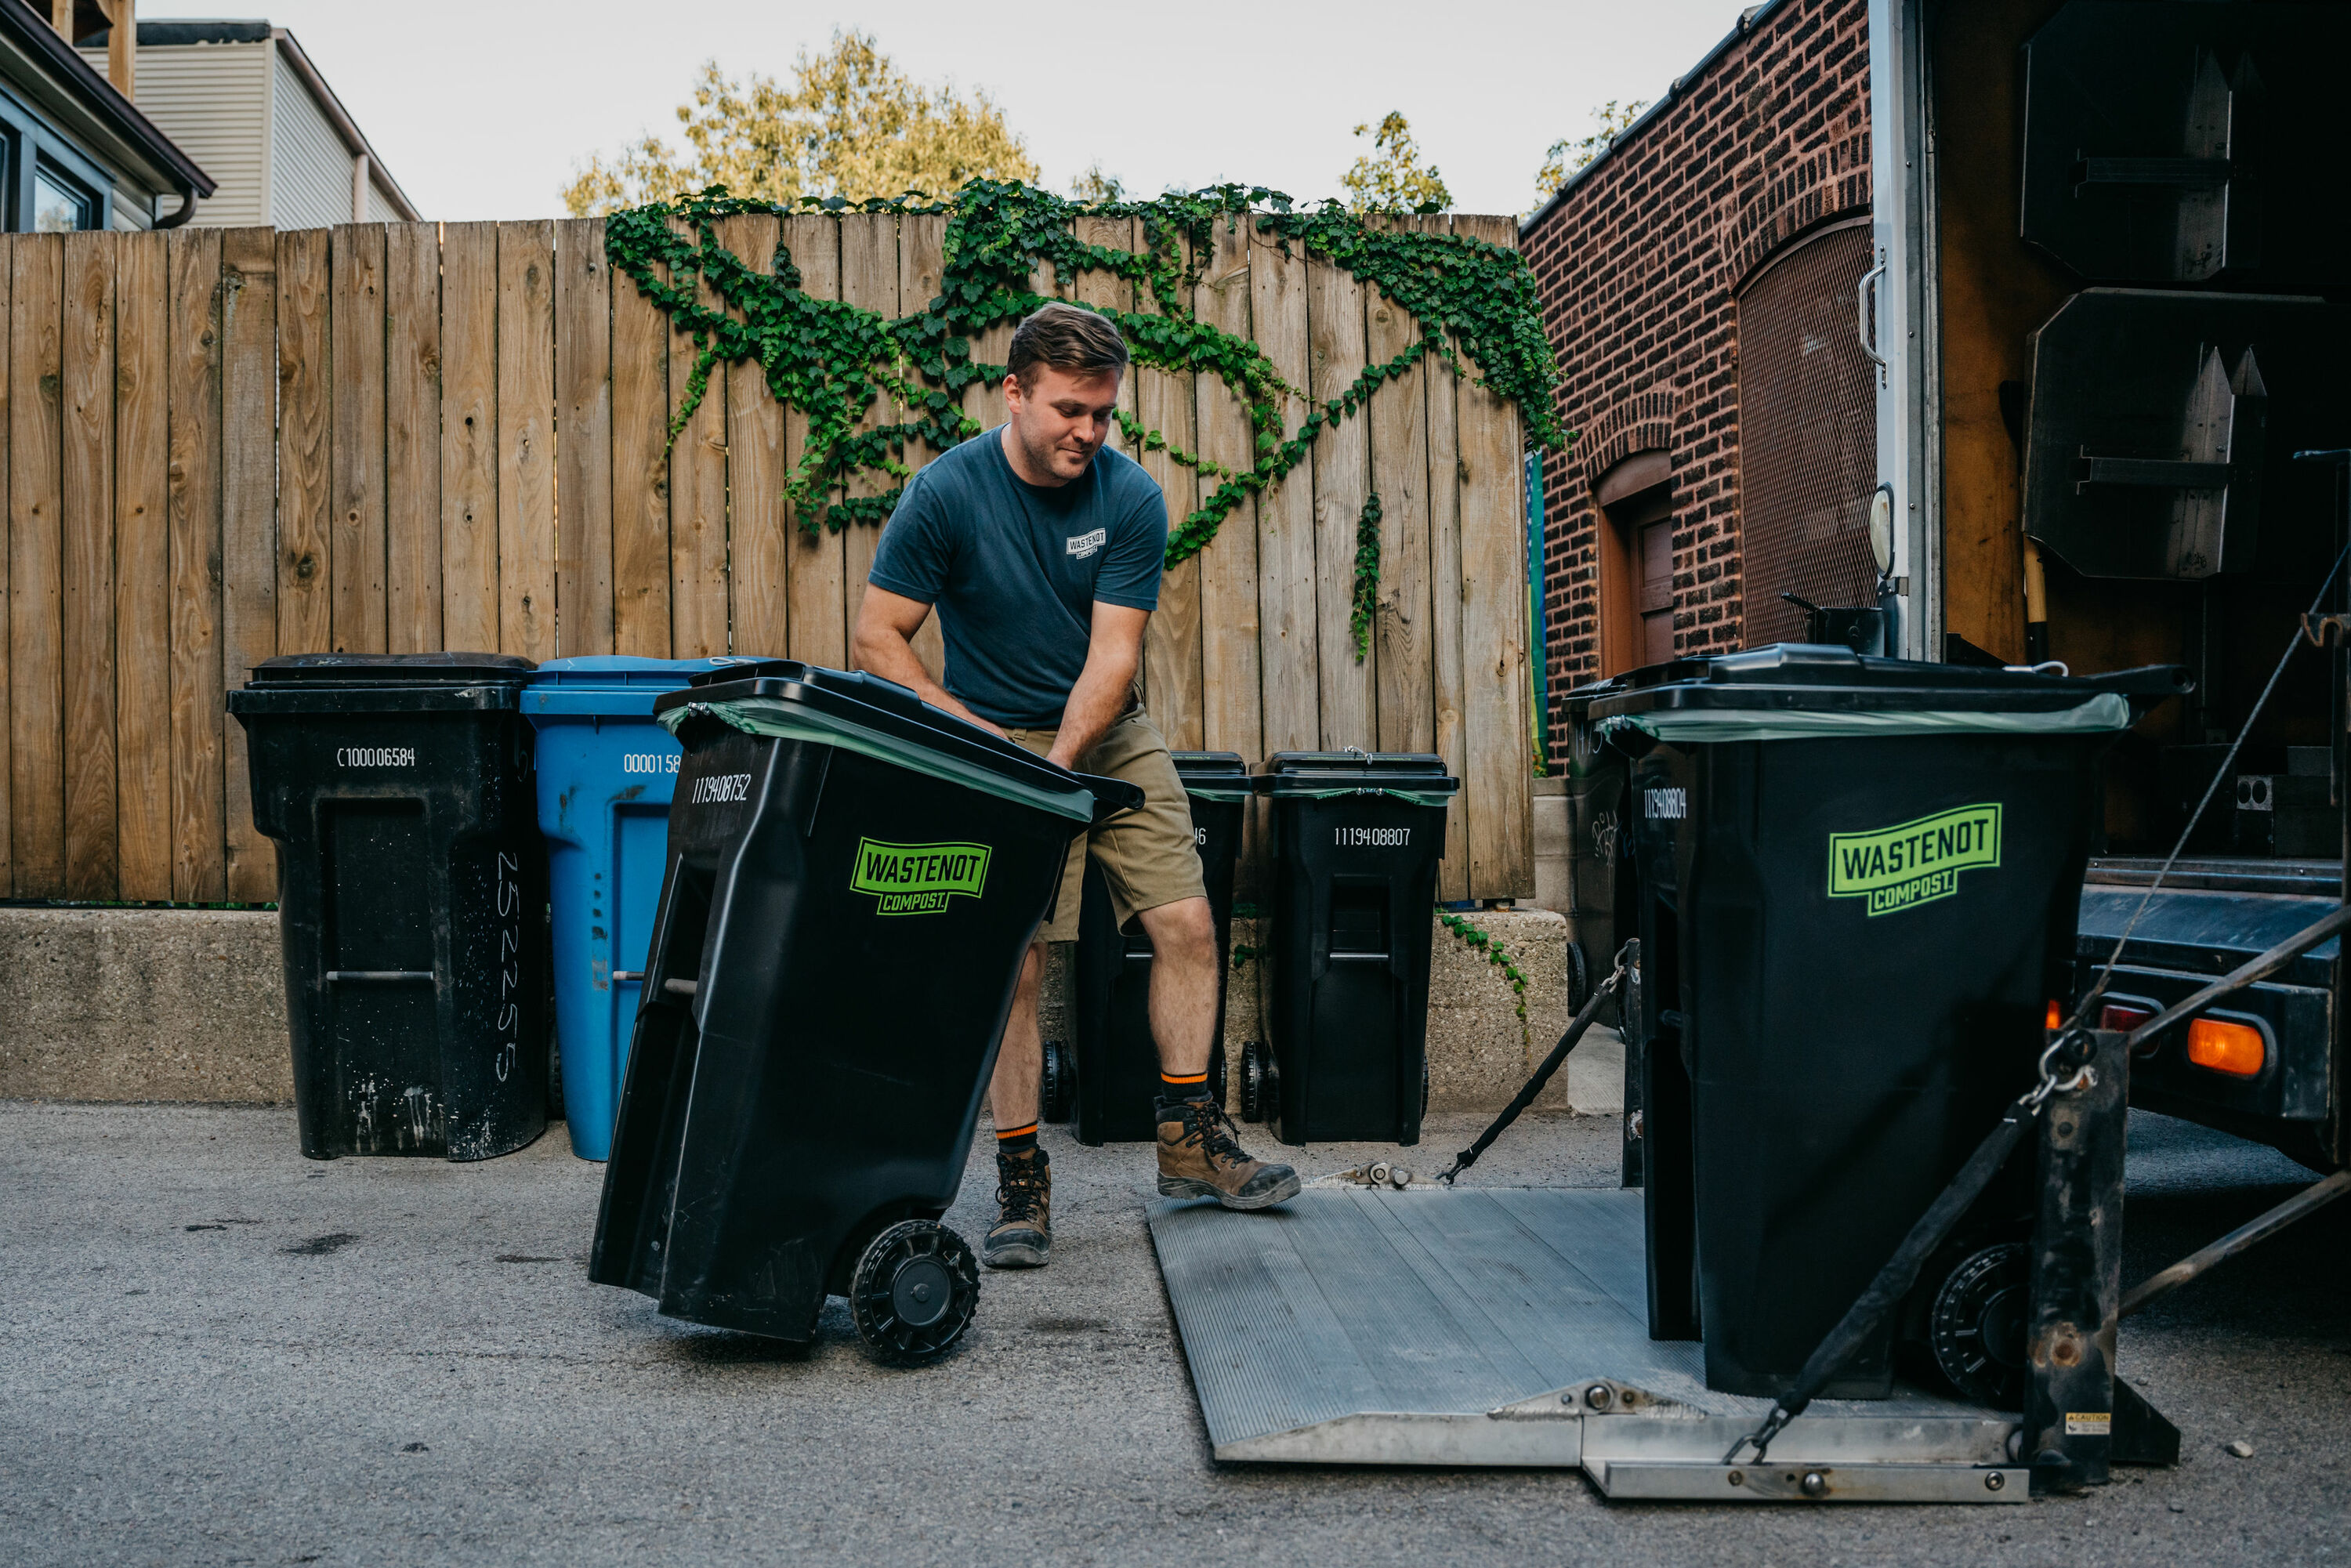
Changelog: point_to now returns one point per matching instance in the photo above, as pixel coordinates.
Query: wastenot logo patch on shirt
(1917, 862)
(1084, 545)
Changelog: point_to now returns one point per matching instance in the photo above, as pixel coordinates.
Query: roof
(1746, 20)
(30, 30)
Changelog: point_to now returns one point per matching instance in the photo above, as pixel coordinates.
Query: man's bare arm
(883, 646)
(1113, 653)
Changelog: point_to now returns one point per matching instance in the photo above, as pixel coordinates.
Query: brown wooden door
(1658, 590)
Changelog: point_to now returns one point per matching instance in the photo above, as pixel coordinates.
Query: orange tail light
(2235, 1049)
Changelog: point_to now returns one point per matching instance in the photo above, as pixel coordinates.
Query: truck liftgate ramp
(1509, 1326)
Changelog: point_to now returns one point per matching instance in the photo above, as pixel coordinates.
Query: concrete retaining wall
(142, 1004)
(189, 1005)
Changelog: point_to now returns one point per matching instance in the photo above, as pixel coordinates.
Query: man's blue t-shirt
(1014, 569)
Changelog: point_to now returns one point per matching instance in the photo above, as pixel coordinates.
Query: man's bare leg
(1012, 1093)
(1199, 1153)
(1183, 985)
(1022, 1237)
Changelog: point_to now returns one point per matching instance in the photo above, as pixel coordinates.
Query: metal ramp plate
(1510, 1326)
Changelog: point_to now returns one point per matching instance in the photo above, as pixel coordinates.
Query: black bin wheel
(1216, 1075)
(1257, 1082)
(1579, 977)
(1976, 1327)
(914, 1292)
(1057, 1086)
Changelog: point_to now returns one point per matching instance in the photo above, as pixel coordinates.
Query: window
(1807, 434)
(48, 185)
(58, 206)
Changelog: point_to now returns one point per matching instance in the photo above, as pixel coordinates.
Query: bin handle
(1865, 308)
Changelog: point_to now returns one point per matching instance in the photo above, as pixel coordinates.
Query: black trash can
(1117, 1057)
(412, 897)
(1601, 898)
(1858, 883)
(853, 878)
(1356, 840)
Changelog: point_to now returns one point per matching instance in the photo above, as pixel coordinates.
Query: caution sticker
(1916, 863)
(2089, 1422)
(918, 879)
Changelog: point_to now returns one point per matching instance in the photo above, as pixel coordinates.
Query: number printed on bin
(653, 762)
(375, 757)
(712, 789)
(1915, 862)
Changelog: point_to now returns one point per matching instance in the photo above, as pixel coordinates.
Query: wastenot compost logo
(1917, 862)
(918, 879)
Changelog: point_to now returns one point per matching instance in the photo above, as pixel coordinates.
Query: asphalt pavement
(217, 1352)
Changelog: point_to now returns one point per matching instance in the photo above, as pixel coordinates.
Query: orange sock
(1016, 1140)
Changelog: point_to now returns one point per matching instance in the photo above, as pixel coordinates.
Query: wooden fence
(223, 444)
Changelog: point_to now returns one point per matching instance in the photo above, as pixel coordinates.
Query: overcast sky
(483, 109)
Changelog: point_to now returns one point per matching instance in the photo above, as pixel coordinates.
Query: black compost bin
(853, 878)
(1118, 1058)
(1858, 883)
(1356, 838)
(412, 897)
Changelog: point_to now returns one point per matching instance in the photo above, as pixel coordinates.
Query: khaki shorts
(1148, 857)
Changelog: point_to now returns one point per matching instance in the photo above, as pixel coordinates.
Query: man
(1042, 552)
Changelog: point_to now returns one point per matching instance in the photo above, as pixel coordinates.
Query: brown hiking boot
(1200, 1158)
(1023, 1234)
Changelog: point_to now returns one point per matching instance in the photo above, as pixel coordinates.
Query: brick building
(1705, 267)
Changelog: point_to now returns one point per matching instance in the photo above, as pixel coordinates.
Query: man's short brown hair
(1068, 339)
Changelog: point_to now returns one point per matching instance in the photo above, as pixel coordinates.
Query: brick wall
(1638, 265)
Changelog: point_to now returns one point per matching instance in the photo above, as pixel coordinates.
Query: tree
(851, 124)
(1093, 185)
(1566, 155)
(1391, 179)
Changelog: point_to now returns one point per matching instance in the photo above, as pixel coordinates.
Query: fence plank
(306, 381)
(1445, 607)
(86, 575)
(1402, 647)
(1287, 633)
(142, 576)
(412, 437)
(1494, 628)
(36, 719)
(758, 537)
(199, 870)
(8, 398)
(469, 443)
(1342, 481)
(641, 619)
(359, 552)
(697, 505)
(814, 630)
(525, 405)
(921, 262)
(248, 538)
(583, 439)
(1170, 649)
(1231, 714)
(869, 279)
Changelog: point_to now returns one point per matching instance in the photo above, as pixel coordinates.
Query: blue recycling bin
(605, 771)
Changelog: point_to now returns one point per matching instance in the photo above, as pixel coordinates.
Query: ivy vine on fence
(831, 359)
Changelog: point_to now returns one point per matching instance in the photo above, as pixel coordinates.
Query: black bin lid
(310, 671)
(895, 711)
(1806, 676)
(1322, 772)
(1213, 775)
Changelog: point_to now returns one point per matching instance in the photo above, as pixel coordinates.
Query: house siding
(213, 100)
(1636, 267)
(380, 209)
(310, 177)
